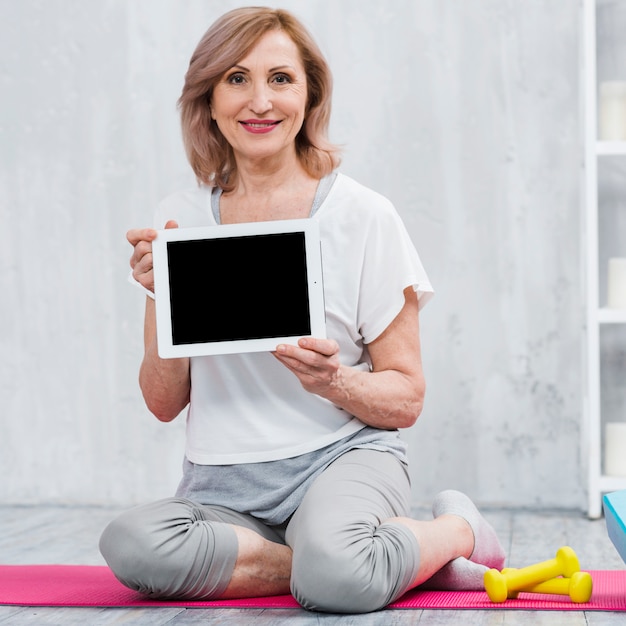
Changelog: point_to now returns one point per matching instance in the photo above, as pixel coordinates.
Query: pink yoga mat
(95, 586)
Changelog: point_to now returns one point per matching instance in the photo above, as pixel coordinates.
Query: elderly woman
(295, 476)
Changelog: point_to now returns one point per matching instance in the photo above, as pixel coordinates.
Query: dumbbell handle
(564, 564)
(578, 587)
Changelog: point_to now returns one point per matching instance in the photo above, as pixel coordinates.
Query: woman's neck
(265, 192)
(263, 175)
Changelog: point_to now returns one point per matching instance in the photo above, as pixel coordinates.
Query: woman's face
(259, 103)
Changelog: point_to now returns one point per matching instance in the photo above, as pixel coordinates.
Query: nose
(260, 101)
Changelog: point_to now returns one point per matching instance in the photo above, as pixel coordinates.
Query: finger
(296, 367)
(327, 347)
(144, 278)
(304, 360)
(135, 235)
(142, 250)
(143, 265)
(289, 357)
(171, 224)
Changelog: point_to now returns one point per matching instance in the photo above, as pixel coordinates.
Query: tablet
(237, 287)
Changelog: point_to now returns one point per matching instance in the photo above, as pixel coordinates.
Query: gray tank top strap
(323, 189)
(216, 193)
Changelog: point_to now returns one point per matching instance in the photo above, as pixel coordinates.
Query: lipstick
(259, 127)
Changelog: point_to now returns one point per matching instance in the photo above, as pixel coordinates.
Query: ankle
(463, 532)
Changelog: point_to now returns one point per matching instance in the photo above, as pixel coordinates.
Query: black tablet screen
(234, 288)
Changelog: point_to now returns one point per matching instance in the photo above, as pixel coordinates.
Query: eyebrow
(272, 69)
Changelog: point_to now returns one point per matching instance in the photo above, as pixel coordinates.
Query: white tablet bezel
(166, 347)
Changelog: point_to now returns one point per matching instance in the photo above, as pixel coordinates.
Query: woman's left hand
(390, 394)
(315, 362)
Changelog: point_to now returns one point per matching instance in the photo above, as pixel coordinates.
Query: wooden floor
(56, 535)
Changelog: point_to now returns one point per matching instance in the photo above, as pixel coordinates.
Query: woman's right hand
(141, 260)
(165, 383)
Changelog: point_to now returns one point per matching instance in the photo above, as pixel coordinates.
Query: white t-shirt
(248, 408)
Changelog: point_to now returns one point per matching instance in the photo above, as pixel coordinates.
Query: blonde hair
(226, 42)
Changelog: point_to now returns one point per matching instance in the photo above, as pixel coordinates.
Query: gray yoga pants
(346, 557)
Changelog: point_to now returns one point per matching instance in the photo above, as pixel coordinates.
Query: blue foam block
(615, 514)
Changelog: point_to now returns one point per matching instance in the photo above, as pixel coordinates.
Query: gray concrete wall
(466, 113)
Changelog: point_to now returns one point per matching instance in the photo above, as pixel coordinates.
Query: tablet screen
(237, 287)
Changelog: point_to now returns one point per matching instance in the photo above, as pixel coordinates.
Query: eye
(281, 79)
(236, 78)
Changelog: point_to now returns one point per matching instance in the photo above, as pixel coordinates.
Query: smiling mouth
(257, 126)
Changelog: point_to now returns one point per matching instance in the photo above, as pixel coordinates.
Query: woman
(295, 477)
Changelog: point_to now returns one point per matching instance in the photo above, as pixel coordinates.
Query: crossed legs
(350, 547)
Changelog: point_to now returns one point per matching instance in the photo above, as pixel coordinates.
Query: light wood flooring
(58, 535)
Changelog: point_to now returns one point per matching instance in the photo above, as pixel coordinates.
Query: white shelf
(596, 315)
(612, 483)
(611, 316)
(609, 148)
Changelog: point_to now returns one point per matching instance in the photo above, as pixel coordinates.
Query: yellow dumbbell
(578, 587)
(498, 585)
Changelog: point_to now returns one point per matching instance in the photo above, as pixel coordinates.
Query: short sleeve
(391, 263)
